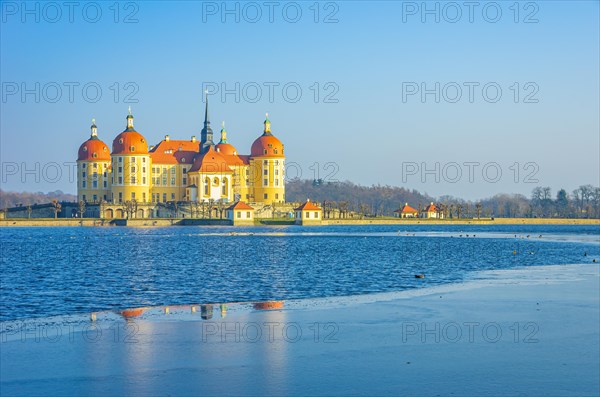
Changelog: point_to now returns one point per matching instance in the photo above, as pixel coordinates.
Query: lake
(69, 270)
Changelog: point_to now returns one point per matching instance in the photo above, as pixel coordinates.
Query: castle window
(172, 181)
(276, 182)
(83, 165)
(164, 197)
(173, 170)
(270, 145)
(265, 151)
(95, 198)
(120, 180)
(104, 183)
(307, 214)
(183, 160)
(95, 184)
(143, 159)
(266, 172)
(144, 197)
(105, 174)
(266, 196)
(83, 197)
(83, 174)
(133, 179)
(316, 215)
(276, 196)
(144, 170)
(121, 140)
(133, 195)
(133, 169)
(94, 156)
(184, 181)
(248, 214)
(144, 180)
(275, 151)
(85, 148)
(83, 184)
(276, 172)
(266, 182)
(239, 214)
(120, 169)
(265, 162)
(120, 159)
(224, 187)
(184, 170)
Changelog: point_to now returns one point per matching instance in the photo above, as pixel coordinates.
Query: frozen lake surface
(71, 270)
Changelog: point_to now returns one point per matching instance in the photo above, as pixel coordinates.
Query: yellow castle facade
(180, 170)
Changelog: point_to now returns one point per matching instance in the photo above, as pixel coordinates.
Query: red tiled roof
(266, 143)
(128, 140)
(226, 149)
(430, 208)
(174, 152)
(308, 206)
(240, 205)
(93, 147)
(211, 162)
(407, 209)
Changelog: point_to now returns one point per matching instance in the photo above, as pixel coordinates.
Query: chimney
(167, 138)
(193, 138)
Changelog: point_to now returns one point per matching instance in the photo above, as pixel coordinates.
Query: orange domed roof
(130, 142)
(93, 150)
(267, 145)
(226, 148)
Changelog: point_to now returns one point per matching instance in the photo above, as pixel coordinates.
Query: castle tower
(206, 136)
(267, 167)
(93, 169)
(131, 167)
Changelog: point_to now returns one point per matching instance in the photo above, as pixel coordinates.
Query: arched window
(224, 187)
(206, 186)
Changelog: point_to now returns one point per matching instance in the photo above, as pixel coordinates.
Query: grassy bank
(161, 222)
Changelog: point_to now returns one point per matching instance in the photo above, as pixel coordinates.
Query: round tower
(93, 169)
(267, 167)
(131, 166)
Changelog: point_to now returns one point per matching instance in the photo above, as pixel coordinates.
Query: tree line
(344, 198)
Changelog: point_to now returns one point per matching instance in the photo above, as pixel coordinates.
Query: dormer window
(121, 141)
(265, 151)
(275, 151)
(132, 148)
(104, 148)
(183, 160)
(94, 156)
(85, 148)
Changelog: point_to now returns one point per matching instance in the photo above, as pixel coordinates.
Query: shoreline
(162, 222)
(532, 331)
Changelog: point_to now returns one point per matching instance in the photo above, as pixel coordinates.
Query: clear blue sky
(373, 55)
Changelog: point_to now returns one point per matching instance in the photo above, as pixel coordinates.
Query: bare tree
(29, 209)
(81, 208)
(56, 207)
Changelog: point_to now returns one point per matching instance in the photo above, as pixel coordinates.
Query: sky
(448, 98)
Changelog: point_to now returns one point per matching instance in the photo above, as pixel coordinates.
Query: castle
(180, 170)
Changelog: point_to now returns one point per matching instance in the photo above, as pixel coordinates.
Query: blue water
(54, 271)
